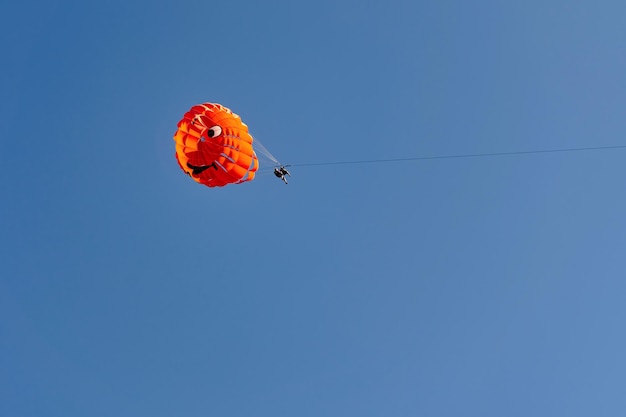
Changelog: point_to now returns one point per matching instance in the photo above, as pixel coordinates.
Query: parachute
(213, 146)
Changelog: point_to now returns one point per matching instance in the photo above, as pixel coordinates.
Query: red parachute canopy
(213, 146)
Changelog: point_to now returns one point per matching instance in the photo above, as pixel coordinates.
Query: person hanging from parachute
(214, 147)
(280, 172)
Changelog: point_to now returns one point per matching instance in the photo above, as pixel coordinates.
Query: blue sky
(455, 287)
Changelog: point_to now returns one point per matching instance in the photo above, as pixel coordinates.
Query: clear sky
(453, 287)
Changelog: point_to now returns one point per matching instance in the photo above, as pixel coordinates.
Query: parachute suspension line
(264, 152)
(277, 168)
(458, 156)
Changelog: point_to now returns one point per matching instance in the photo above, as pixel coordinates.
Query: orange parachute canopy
(213, 146)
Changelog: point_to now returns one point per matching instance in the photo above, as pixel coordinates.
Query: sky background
(453, 287)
